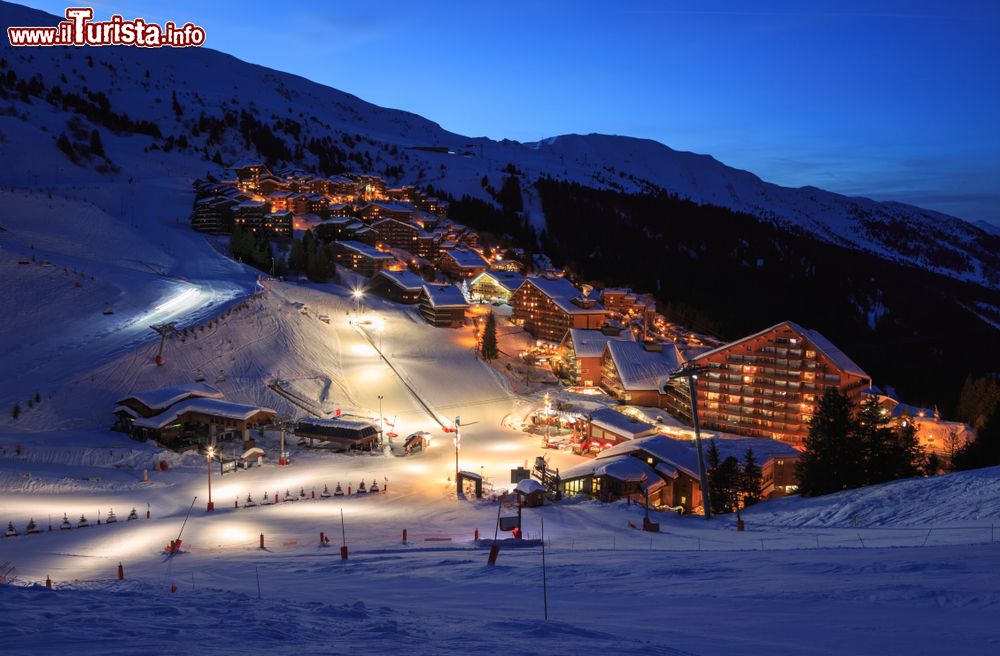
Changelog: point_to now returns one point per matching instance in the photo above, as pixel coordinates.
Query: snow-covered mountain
(199, 104)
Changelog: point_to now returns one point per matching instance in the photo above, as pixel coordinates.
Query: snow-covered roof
(591, 343)
(466, 258)
(622, 468)
(509, 280)
(391, 207)
(252, 452)
(164, 397)
(837, 356)
(562, 292)
(404, 279)
(682, 454)
(640, 369)
(913, 412)
(338, 422)
(365, 249)
(620, 424)
(212, 407)
(528, 486)
(390, 219)
(445, 296)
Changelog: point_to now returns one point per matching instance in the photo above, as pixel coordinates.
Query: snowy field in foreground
(908, 567)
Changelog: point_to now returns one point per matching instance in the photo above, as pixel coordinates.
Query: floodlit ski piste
(906, 559)
(148, 373)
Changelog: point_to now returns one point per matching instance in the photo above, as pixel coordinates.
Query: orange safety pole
(261, 540)
(121, 572)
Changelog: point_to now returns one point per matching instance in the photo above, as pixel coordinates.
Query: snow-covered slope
(310, 120)
(958, 498)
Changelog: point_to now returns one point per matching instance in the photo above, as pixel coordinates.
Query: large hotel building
(768, 384)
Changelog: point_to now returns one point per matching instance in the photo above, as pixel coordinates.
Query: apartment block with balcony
(548, 307)
(768, 384)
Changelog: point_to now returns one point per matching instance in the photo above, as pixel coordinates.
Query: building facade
(768, 384)
(548, 307)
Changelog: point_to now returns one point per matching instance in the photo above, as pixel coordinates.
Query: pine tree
(889, 450)
(96, 147)
(978, 400)
(832, 460)
(318, 267)
(297, 256)
(490, 350)
(751, 479)
(712, 456)
(725, 484)
(984, 451)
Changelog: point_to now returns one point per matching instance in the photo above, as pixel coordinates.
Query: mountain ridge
(205, 82)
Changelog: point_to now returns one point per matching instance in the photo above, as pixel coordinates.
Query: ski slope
(891, 585)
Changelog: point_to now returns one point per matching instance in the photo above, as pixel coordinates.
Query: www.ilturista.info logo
(79, 29)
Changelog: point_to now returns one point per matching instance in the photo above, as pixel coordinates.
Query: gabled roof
(467, 259)
(354, 423)
(640, 369)
(365, 249)
(821, 343)
(212, 407)
(562, 292)
(838, 357)
(404, 279)
(390, 219)
(620, 424)
(509, 280)
(391, 207)
(623, 468)
(591, 343)
(683, 455)
(164, 397)
(444, 296)
(528, 486)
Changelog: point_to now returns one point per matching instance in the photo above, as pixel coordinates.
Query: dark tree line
(979, 406)
(310, 257)
(732, 484)
(732, 274)
(851, 446)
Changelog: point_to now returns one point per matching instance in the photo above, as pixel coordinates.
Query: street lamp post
(691, 374)
(208, 462)
(381, 422)
(458, 445)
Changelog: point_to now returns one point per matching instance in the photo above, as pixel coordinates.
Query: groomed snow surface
(851, 573)
(908, 567)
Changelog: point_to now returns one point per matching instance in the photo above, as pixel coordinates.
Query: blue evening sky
(889, 99)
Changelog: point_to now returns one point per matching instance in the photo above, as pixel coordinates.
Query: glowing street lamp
(358, 294)
(208, 462)
(381, 423)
